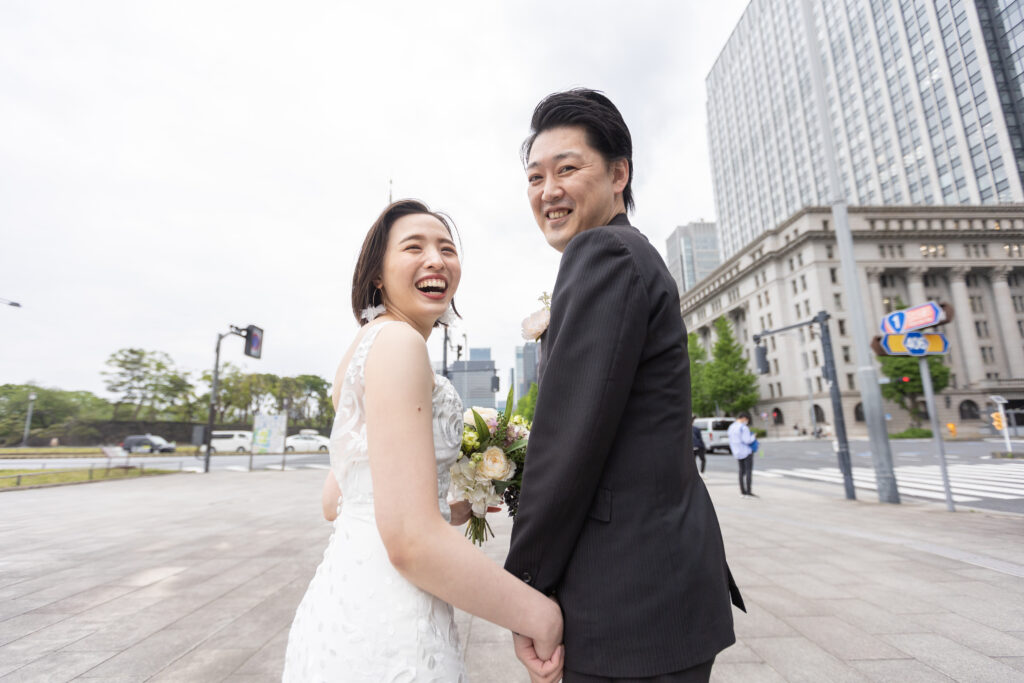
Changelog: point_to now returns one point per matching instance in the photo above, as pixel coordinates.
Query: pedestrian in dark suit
(613, 519)
(699, 449)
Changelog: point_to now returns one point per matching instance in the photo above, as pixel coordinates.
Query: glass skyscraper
(692, 253)
(926, 103)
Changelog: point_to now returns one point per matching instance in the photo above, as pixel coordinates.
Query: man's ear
(620, 175)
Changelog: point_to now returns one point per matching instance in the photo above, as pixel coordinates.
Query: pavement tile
(263, 622)
(91, 597)
(893, 600)
(495, 664)
(149, 576)
(744, 672)
(759, 622)
(956, 661)
(269, 659)
(782, 602)
(871, 618)
(843, 640)
(898, 671)
(997, 615)
(24, 624)
(969, 633)
(808, 586)
(1015, 662)
(797, 659)
(57, 667)
(146, 657)
(204, 664)
(739, 652)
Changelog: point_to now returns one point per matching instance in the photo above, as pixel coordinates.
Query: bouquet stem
(479, 530)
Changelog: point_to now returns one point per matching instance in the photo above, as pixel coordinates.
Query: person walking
(699, 450)
(740, 441)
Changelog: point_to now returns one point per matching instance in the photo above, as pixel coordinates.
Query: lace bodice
(349, 456)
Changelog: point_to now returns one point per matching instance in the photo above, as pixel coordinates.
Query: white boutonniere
(536, 324)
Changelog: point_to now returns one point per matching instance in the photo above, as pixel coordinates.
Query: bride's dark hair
(370, 265)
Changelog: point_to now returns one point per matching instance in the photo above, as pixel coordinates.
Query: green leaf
(506, 414)
(500, 486)
(482, 431)
(516, 445)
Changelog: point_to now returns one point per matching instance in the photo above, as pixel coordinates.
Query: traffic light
(997, 421)
(253, 341)
(494, 383)
(761, 356)
(904, 379)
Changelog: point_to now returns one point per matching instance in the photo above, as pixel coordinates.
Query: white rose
(495, 465)
(485, 413)
(535, 325)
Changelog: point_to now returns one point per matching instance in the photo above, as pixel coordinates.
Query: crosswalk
(968, 483)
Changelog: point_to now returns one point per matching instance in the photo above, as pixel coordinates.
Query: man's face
(571, 187)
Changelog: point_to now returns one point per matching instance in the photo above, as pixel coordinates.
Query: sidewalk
(196, 578)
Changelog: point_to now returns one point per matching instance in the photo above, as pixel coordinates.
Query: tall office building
(692, 253)
(527, 364)
(926, 103)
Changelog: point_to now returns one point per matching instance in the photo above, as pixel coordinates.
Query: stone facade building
(970, 257)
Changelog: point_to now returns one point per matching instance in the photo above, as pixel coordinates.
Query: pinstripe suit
(613, 517)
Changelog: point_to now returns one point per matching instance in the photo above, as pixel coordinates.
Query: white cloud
(169, 169)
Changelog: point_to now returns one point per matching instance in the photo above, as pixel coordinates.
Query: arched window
(777, 416)
(858, 412)
(819, 414)
(969, 410)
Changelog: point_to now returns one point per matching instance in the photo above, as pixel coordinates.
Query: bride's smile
(421, 271)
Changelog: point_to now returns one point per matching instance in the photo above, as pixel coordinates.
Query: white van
(231, 442)
(715, 431)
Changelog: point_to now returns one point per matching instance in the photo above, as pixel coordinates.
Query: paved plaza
(191, 577)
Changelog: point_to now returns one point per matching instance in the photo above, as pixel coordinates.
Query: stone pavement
(196, 577)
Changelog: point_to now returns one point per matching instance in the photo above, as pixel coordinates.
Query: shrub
(913, 433)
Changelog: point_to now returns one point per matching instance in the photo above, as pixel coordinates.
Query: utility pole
(871, 394)
(253, 347)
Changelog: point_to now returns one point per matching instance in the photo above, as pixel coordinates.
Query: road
(170, 461)
(977, 479)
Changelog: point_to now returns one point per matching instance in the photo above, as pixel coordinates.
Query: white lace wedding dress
(360, 620)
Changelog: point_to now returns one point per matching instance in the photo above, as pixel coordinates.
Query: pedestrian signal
(997, 421)
(761, 356)
(904, 379)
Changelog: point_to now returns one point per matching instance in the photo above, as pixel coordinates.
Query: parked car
(235, 441)
(147, 443)
(715, 431)
(306, 441)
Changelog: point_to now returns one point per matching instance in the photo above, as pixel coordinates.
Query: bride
(379, 607)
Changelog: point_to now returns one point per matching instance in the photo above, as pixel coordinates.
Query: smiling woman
(380, 604)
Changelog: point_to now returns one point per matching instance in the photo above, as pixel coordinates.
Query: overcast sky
(168, 169)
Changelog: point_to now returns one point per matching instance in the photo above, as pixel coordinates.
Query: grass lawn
(9, 478)
(80, 452)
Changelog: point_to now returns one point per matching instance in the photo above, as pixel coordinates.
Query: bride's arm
(420, 544)
(329, 498)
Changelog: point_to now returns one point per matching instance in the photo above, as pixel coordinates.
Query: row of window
(935, 250)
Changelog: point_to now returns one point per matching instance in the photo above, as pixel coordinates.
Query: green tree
(699, 390)
(907, 394)
(730, 385)
(527, 404)
(52, 408)
(138, 377)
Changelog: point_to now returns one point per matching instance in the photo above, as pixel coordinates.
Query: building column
(915, 285)
(964, 319)
(874, 308)
(1007, 321)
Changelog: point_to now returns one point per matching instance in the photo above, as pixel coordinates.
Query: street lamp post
(28, 419)
(871, 394)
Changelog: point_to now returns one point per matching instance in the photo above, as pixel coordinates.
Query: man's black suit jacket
(613, 517)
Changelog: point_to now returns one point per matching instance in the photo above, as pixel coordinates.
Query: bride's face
(421, 270)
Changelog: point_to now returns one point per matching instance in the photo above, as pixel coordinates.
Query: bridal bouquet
(491, 463)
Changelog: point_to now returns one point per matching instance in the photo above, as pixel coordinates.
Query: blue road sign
(914, 318)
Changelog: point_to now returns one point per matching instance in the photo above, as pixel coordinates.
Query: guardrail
(92, 469)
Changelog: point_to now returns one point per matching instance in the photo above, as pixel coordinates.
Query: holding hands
(543, 657)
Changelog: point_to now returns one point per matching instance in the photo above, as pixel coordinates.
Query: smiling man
(614, 521)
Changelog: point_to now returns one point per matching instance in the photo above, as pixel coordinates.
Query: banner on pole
(268, 433)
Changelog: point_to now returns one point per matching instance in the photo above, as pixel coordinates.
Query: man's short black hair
(745, 415)
(594, 112)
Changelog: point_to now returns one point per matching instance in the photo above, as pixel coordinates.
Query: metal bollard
(91, 465)
(17, 482)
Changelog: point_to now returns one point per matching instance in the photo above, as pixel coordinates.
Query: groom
(614, 520)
